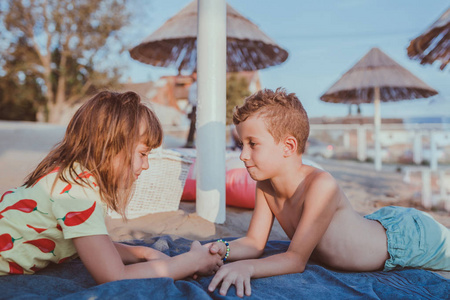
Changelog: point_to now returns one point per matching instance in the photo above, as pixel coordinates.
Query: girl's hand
(217, 248)
(134, 254)
(148, 253)
(237, 273)
(208, 263)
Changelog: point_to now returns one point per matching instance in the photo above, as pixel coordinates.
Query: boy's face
(261, 155)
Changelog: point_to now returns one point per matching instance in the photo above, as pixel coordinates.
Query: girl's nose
(145, 164)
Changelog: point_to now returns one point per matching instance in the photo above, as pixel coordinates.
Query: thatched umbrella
(377, 77)
(434, 43)
(174, 44)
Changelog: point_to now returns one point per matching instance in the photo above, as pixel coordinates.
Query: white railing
(418, 138)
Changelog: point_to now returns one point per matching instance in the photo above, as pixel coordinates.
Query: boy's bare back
(350, 242)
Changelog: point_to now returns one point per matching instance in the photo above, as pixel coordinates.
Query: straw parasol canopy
(375, 78)
(376, 69)
(434, 43)
(174, 44)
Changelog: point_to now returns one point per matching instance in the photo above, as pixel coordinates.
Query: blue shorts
(415, 239)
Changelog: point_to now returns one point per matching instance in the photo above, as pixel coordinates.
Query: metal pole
(377, 123)
(211, 73)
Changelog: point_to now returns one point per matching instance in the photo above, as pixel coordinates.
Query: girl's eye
(252, 144)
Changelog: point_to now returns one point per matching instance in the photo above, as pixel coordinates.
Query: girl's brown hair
(105, 127)
(283, 114)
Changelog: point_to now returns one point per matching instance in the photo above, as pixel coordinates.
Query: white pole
(426, 188)
(433, 151)
(346, 139)
(417, 152)
(377, 123)
(211, 73)
(442, 186)
(362, 146)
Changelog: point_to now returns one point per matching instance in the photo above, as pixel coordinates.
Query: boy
(312, 209)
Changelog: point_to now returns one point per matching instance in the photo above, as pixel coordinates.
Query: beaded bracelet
(228, 249)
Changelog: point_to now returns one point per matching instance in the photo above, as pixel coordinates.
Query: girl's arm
(104, 262)
(252, 245)
(133, 254)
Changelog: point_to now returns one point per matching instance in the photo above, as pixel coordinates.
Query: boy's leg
(437, 243)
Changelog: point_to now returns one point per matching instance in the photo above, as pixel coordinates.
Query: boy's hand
(237, 273)
(209, 263)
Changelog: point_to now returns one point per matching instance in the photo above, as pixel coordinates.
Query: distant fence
(401, 143)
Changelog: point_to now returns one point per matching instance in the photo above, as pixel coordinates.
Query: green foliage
(55, 51)
(237, 91)
(20, 91)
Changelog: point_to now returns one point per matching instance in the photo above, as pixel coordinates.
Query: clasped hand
(209, 262)
(237, 273)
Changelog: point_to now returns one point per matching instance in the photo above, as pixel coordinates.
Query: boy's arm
(103, 261)
(133, 254)
(252, 245)
(319, 207)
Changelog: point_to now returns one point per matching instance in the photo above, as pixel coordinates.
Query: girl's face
(140, 159)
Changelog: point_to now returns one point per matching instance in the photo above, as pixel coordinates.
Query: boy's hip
(414, 239)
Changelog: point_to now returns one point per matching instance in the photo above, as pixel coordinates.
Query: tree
(55, 49)
(237, 91)
(20, 92)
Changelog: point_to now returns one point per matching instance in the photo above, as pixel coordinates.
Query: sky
(324, 39)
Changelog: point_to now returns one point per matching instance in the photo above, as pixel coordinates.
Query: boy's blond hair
(283, 114)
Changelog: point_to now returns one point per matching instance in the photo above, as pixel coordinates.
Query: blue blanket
(71, 280)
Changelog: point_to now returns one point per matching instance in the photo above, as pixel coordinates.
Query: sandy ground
(23, 145)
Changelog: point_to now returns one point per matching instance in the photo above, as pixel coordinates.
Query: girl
(59, 212)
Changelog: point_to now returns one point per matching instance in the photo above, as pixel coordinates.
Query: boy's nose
(244, 155)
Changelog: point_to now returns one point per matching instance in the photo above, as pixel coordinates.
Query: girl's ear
(290, 146)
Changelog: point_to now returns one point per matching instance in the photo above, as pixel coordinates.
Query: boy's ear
(290, 146)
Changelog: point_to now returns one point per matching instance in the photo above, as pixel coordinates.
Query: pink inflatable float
(239, 186)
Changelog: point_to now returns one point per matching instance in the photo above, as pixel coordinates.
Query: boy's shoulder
(318, 179)
(318, 176)
(313, 178)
